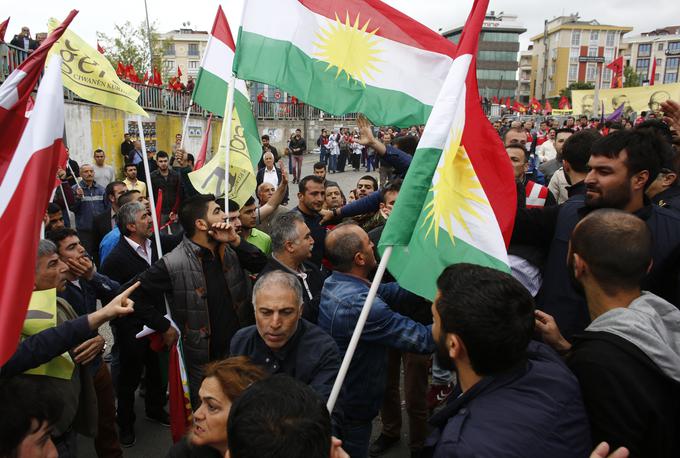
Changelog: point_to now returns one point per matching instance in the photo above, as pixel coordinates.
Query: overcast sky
(445, 14)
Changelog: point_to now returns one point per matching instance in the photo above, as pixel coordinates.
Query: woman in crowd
(224, 381)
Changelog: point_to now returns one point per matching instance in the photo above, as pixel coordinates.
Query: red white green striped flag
(457, 203)
(345, 56)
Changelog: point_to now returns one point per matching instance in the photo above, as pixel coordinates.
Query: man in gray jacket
(628, 359)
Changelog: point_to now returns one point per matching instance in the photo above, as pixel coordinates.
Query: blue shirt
(109, 241)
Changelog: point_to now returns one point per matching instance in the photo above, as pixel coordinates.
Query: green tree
(630, 77)
(577, 86)
(130, 45)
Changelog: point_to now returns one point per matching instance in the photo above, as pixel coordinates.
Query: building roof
(573, 22)
(501, 22)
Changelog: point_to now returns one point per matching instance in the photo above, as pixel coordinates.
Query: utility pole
(545, 59)
(148, 34)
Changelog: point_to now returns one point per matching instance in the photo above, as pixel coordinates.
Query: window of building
(642, 68)
(606, 77)
(509, 56)
(169, 49)
(506, 75)
(592, 51)
(671, 73)
(644, 49)
(169, 64)
(573, 72)
(500, 36)
(594, 35)
(193, 64)
(576, 38)
(660, 47)
(674, 45)
(591, 72)
(193, 49)
(608, 55)
(611, 38)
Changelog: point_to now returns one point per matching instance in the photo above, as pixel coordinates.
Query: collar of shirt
(145, 252)
(282, 354)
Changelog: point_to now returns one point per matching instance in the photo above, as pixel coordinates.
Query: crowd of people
(576, 353)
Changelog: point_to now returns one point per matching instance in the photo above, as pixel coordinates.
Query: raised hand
(671, 112)
(550, 332)
(81, 267)
(224, 233)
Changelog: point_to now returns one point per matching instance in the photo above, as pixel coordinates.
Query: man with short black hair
(266, 146)
(282, 341)
(255, 418)
(665, 189)
(166, 179)
(575, 155)
(320, 170)
(335, 199)
(514, 396)
(311, 197)
(248, 217)
(366, 185)
(350, 251)
(55, 218)
(535, 195)
(89, 202)
(126, 146)
(628, 359)
(103, 174)
(131, 180)
(621, 166)
(104, 222)
(210, 260)
(292, 246)
(550, 168)
(298, 147)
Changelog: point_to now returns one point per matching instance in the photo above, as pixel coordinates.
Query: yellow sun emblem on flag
(350, 48)
(455, 189)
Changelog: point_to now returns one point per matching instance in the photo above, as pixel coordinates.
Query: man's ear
(639, 180)
(580, 266)
(455, 346)
(201, 224)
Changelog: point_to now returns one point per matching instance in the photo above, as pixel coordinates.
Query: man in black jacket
(622, 165)
(628, 359)
(134, 254)
(292, 245)
(104, 222)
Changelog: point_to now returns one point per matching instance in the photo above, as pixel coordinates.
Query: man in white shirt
(270, 174)
(103, 174)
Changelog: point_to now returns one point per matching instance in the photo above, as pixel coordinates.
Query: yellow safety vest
(41, 315)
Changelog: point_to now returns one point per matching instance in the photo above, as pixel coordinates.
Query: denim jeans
(357, 438)
(440, 376)
(333, 162)
(323, 155)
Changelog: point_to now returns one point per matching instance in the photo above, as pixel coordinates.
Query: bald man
(628, 359)
(350, 251)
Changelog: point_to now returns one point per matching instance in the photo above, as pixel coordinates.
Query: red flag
(3, 29)
(616, 66)
(179, 401)
(159, 205)
(145, 79)
(99, 48)
(535, 104)
(200, 160)
(652, 76)
(157, 77)
(120, 70)
(548, 107)
(26, 174)
(494, 100)
(563, 103)
(507, 102)
(179, 72)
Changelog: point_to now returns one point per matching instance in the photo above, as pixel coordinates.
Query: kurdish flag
(211, 93)
(345, 56)
(457, 203)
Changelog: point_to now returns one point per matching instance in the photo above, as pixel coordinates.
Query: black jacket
(100, 227)
(18, 41)
(668, 198)
(550, 228)
(629, 401)
(260, 179)
(314, 280)
(310, 356)
(122, 265)
(172, 192)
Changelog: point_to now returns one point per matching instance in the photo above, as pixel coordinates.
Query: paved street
(153, 440)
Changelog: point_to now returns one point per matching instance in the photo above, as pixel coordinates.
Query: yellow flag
(89, 75)
(209, 179)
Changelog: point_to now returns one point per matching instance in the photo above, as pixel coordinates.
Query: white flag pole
(361, 322)
(75, 178)
(186, 124)
(149, 188)
(228, 118)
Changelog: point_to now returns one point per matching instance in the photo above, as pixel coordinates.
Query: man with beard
(206, 280)
(628, 359)
(622, 166)
(514, 396)
(311, 197)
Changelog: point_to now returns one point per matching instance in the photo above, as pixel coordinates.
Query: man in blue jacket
(514, 396)
(350, 251)
(89, 202)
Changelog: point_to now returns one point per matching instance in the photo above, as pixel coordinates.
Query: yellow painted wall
(561, 71)
(108, 126)
(166, 129)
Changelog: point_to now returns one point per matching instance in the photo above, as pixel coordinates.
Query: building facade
(497, 55)
(662, 46)
(571, 50)
(524, 79)
(182, 49)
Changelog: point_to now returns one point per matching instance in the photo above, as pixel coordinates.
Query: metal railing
(164, 100)
(294, 111)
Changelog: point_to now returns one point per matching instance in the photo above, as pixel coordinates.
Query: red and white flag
(3, 29)
(25, 189)
(652, 77)
(200, 160)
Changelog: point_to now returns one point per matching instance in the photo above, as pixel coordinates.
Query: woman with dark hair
(224, 381)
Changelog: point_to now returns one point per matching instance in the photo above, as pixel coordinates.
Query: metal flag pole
(149, 188)
(356, 335)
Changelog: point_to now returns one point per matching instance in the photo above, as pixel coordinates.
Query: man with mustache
(622, 166)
